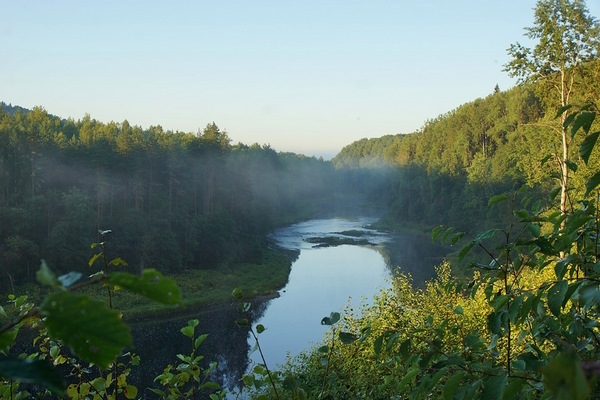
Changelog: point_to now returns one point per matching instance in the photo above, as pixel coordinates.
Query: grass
(199, 288)
(210, 287)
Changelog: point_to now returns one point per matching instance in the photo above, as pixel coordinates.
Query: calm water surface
(322, 280)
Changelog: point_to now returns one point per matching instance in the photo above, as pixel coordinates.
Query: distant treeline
(447, 171)
(173, 200)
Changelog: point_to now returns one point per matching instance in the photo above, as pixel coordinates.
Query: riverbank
(210, 289)
(200, 289)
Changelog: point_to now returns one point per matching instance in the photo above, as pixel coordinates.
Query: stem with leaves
(244, 307)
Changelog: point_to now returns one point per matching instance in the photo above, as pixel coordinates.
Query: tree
(565, 37)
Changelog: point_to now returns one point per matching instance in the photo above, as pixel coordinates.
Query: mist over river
(341, 263)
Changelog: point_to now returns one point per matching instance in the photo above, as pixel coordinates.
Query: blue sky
(303, 76)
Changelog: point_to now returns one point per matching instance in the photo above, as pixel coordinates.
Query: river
(341, 263)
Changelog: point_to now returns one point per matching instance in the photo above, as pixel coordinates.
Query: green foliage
(152, 284)
(176, 201)
(525, 326)
(32, 371)
(188, 378)
(94, 331)
(74, 328)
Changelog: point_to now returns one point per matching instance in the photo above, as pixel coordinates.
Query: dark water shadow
(158, 342)
(414, 255)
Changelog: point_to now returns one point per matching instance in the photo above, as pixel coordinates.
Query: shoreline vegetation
(201, 290)
(206, 290)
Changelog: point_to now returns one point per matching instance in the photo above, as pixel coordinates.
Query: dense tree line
(173, 200)
(446, 171)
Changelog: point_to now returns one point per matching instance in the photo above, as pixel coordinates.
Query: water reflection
(159, 342)
(322, 280)
(414, 255)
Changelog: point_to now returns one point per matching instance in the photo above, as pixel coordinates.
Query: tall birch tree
(565, 36)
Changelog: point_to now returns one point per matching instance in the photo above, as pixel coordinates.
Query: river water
(323, 279)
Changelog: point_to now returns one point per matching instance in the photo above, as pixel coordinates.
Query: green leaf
(93, 259)
(347, 337)
(118, 261)
(452, 385)
(515, 307)
(584, 119)
(323, 349)
(335, 317)
(377, 345)
(210, 385)
(130, 392)
(486, 235)
(592, 183)
(556, 295)
(199, 340)
(152, 284)
(92, 330)
(405, 347)
(588, 144)
(45, 276)
(534, 229)
(545, 159)
(500, 301)
(32, 371)
(494, 322)
(435, 232)
(332, 319)
(497, 199)
(446, 233)
(459, 310)
(7, 338)
(545, 246)
(391, 340)
(187, 331)
(237, 293)
(569, 120)
(456, 237)
(590, 295)
(464, 251)
(571, 165)
(513, 389)
(493, 387)
(564, 378)
(562, 110)
(260, 328)
(408, 377)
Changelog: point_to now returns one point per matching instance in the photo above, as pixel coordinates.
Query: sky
(306, 76)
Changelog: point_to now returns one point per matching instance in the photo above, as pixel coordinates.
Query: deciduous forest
(510, 181)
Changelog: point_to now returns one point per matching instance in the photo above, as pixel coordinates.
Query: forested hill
(459, 141)
(173, 200)
(12, 109)
(446, 171)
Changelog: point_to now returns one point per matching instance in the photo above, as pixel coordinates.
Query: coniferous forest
(178, 200)
(510, 181)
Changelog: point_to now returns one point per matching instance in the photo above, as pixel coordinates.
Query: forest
(171, 199)
(510, 181)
